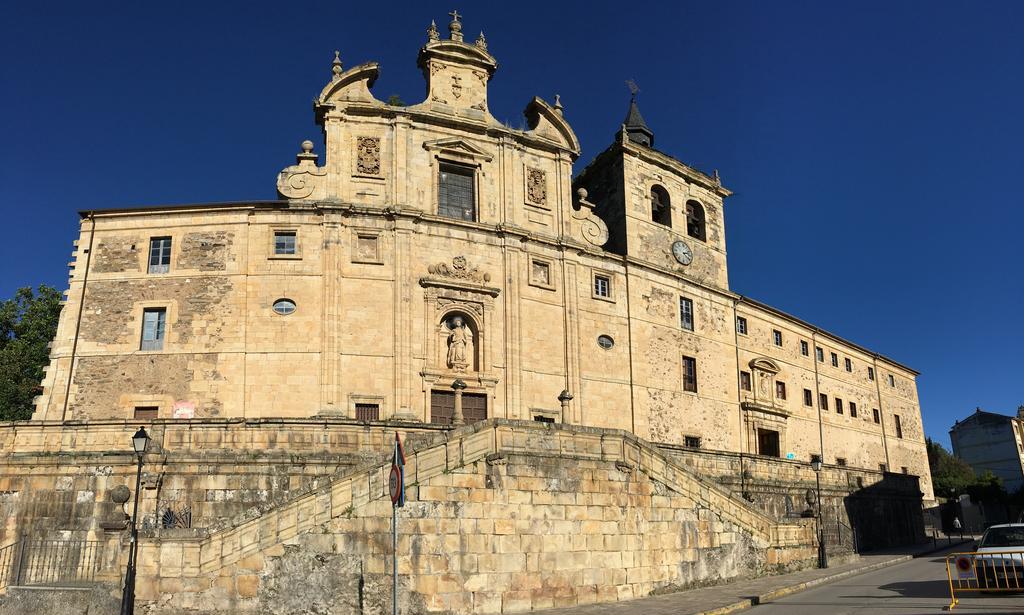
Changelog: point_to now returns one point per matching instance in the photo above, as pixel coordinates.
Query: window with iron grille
(284, 243)
(819, 353)
(690, 374)
(456, 197)
(741, 325)
(804, 349)
(691, 441)
(686, 313)
(849, 364)
(745, 381)
(853, 409)
(780, 389)
(602, 286)
(159, 255)
(777, 337)
(823, 401)
(808, 397)
(154, 327)
(835, 359)
(146, 413)
(367, 412)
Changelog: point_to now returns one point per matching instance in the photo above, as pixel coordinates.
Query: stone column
(458, 419)
(564, 398)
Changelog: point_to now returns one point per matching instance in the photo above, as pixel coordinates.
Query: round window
(605, 341)
(284, 306)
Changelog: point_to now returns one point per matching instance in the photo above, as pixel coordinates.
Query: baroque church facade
(432, 265)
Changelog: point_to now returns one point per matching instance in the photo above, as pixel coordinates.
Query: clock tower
(659, 211)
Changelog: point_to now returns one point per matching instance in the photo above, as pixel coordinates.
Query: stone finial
(306, 156)
(455, 27)
(336, 69)
(432, 34)
(481, 41)
(558, 104)
(715, 177)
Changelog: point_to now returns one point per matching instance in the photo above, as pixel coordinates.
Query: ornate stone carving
(460, 270)
(536, 186)
(457, 86)
(460, 344)
(368, 155)
(304, 179)
(594, 230)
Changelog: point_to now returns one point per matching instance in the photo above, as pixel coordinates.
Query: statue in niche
(460, 344)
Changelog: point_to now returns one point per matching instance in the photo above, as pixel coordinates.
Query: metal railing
(990, 571)
(50, 562)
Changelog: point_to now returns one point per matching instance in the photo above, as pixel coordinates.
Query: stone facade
(440, 267)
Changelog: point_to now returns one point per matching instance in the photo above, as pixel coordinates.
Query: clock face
(682, 253)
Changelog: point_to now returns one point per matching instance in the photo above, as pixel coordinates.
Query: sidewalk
(735, 597)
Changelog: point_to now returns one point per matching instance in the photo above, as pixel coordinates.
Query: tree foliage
(28, 322)
(951, 476)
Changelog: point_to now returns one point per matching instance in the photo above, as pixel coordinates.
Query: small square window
(686, 313)
(780, 389)
(154, 328)
(367, 412)
(690, 374)
(691, 441)
(823, 401)
(602, 286)
(839, 406)
(819, 353)
(808, 398)
(745, 381)
(841, 461)
(835, 359)
(853, 409)
(284, 243)
(815, 458)
(848, 364)
(871, 373)
(146, 413)
(777, 337)
(804, 348)
(741, 325)
(159, 254)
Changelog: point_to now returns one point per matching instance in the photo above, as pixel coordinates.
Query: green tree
(987, 488)
(951, 476)
(396, 101)
(28, 322)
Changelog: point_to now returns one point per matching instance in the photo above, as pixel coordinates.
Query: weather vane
(634, 89)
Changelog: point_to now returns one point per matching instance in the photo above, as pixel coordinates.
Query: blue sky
(874, 147)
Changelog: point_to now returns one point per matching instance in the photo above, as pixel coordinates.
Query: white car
(999, 562)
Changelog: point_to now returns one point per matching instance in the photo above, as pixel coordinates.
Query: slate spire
(635, 126)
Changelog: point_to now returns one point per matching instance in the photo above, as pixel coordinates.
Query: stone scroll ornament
(368, 155)
(304, 178)
(595, 231)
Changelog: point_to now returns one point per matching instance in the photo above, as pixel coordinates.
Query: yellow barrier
(989, 571)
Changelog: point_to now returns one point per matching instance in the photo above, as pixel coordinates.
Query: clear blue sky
(875, 148)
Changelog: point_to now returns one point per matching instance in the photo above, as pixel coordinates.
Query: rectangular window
(686, 313)
(871, 373)
(284, 243)
(839, 406)
(823, 401)
(690, 374)
(540, 418)
(835, 359)
(905, 470)
(841, 461)
(883, 468)
(808, 398)
(899, 426)
(853, 409)
(804, 348)
(777, 337)
(849, 364)
(875, 415)
(456, 197)
(815, 458)
(691, 441)
(367, 412)
(780, 389)
(892, 380)
(819, 354)
(159, 254)
(741, 325)
(146, 413)
(602, 286)
(745, 381)
(154, 326)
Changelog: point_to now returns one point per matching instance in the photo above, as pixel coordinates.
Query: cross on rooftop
(455, 15)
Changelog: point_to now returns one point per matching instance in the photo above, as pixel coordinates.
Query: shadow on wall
(888, 513)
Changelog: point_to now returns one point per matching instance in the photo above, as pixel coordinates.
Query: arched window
(661, 206)
(695, 226)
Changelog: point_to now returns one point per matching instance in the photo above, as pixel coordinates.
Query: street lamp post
(822, 554)
(140, 441)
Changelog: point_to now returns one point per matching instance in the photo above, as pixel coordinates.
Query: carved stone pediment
(458, 148)
(459, 269)
(764, 411)
(461, 276)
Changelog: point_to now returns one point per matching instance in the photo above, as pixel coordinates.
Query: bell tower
(658, 209)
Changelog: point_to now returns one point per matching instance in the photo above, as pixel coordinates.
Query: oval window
(605, 341)
(284, 306)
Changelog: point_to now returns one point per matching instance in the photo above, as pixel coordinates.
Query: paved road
(911, 588)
